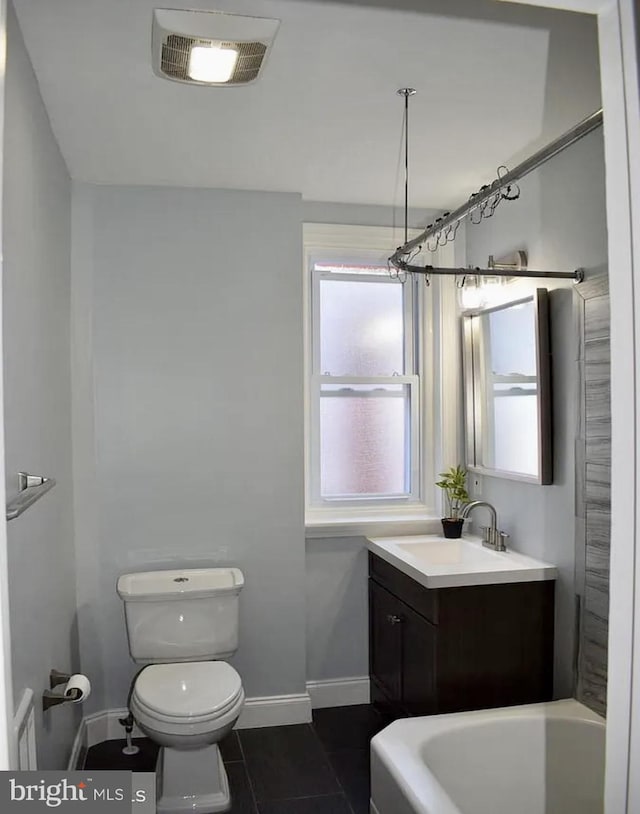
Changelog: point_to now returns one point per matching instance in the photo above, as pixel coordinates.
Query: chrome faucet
(491, 536)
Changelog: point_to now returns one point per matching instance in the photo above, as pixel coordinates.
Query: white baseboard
(339, 692)
(273, 710)
(276, 710)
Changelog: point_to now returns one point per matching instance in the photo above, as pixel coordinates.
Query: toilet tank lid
(183, 583)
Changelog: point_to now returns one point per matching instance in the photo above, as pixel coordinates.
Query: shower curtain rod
(530, 164)
(577, 275)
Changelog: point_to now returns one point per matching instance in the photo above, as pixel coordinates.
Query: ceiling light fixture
(211, 63)
(210, 48)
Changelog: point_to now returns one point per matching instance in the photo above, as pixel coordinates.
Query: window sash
(412, 449)
(409, 307)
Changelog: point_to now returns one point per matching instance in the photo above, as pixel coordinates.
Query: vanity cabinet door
(418, 664)
(386, 623)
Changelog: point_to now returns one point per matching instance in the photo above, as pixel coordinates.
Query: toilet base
(192, 781)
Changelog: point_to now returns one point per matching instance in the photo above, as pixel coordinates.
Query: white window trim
(423, 515)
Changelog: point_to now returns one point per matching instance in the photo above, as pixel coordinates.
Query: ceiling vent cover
(210, 47)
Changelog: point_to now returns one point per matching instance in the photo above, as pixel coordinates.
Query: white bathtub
(535, 759)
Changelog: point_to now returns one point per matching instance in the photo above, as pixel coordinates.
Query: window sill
(322, 523)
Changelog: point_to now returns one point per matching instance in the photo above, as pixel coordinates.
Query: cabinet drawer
(422, 600)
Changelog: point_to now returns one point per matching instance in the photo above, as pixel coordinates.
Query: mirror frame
(473, 387)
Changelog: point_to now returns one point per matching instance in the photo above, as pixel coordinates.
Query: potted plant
(454, 484)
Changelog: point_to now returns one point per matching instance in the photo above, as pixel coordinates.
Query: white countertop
(437, 562)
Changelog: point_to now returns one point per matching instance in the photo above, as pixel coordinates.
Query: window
(364, 364)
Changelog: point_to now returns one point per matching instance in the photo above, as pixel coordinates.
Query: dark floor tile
(352, 769)
(346, 727)
(387, 718)
(333, 804)
(241, 794)
(108, 755)
(285, 762)
(230, 748)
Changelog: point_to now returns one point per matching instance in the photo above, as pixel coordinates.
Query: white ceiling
(324, 119)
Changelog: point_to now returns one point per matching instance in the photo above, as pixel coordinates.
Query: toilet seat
(185, 733)
(194, 692)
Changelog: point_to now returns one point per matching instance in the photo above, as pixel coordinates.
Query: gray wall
(36, 212)
(196, 331)
(560, 221)
(337, 608)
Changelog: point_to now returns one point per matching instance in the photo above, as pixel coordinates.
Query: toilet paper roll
(78, 682)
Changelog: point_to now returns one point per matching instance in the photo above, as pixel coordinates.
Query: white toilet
(181, 623)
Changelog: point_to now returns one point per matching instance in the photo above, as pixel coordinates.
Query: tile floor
(317, 768)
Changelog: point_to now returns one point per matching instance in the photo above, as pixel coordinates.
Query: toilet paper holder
(52, 699)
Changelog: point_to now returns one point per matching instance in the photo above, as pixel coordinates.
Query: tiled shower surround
(593, 489)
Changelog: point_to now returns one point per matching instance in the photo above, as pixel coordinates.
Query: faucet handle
(503, 537)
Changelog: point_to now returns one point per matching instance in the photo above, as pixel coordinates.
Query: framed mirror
(507, 389)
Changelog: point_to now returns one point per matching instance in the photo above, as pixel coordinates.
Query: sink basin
(437, 562)
(448, 552)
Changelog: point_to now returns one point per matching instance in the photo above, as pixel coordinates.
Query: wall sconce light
(480, 291)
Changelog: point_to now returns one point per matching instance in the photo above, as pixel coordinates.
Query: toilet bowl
(188, 708)
(181, 623)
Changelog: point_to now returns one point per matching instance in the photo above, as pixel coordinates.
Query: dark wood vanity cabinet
(453, 649)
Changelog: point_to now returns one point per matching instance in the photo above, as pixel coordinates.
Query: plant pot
(452, 527)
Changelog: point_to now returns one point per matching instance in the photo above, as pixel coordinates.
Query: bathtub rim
(398, 747)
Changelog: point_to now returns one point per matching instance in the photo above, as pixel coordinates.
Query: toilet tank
(184, 615)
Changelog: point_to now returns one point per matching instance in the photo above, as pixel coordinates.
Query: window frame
(409, 379)
(340, 242)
